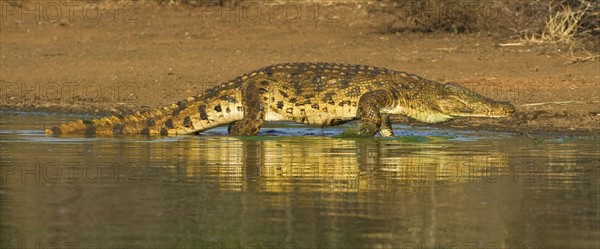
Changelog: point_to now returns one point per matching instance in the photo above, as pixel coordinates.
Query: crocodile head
(458, 101)
(453, 101)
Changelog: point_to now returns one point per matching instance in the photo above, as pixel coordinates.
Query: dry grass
(574, 24)
(501, 18)
(570, 24)
(562, 24)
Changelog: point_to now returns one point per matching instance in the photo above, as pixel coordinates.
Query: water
(295, 187)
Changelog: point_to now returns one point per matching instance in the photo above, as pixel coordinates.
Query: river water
(295, 187)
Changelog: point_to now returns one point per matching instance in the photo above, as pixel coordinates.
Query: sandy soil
(141, 56)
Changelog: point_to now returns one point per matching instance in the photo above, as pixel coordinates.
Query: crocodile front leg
(386, 126)
(369, 115)
(254, 113)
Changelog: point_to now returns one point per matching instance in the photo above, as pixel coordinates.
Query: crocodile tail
(112, 125)
(184, 117)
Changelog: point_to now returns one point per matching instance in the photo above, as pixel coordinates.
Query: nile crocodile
(321, 94)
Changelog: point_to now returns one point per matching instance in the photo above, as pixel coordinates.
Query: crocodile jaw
(489, 109)
(458, 101)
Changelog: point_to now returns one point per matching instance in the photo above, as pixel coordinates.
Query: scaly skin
(322, 94)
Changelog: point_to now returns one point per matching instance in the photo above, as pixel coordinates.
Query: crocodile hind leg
(386, 126)
(369, 115)
(254, 113)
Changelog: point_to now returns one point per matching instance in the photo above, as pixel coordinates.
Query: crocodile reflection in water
(346, 164)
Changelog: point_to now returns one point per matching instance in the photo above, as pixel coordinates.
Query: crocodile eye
(455, 88)
(451, 88)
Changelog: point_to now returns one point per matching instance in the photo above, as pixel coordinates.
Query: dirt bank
(108, 59)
